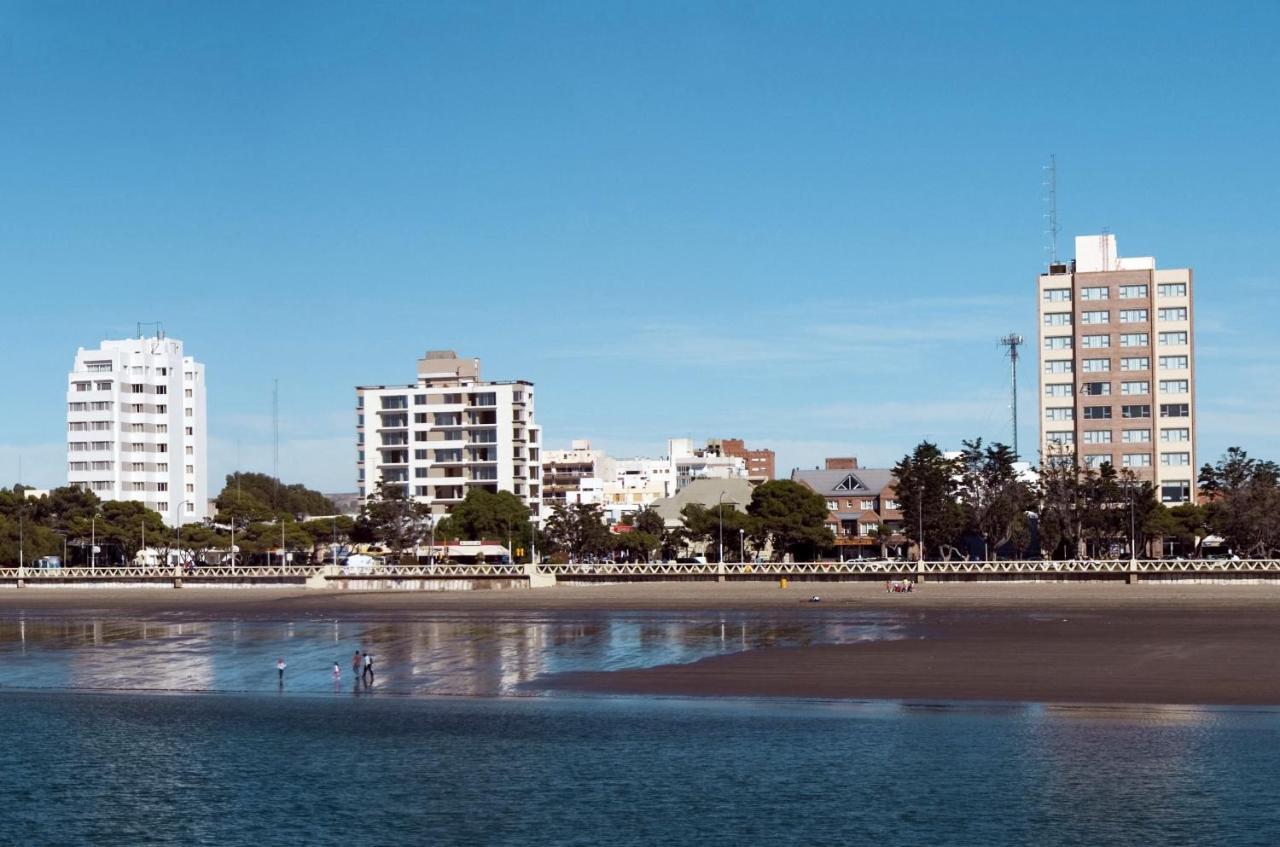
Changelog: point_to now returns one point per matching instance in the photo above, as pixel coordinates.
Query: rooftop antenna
(1013, 341)
(1051, 187)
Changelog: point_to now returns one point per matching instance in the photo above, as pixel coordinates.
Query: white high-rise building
(447, 433)
(136, 426)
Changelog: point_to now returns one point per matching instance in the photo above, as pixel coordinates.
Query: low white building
(136, 426)
(623, 487)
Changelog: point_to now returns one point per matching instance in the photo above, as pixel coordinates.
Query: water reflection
(459, 655)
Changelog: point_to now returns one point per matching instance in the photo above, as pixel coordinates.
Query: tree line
(975, 505)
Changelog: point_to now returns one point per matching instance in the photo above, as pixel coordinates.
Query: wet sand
(1068, 643)
(246, 603)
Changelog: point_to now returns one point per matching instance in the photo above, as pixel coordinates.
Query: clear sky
(802, 224)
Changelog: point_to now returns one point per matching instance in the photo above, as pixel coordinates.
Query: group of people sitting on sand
(898, 587)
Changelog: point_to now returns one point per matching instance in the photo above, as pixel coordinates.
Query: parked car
(360, 563)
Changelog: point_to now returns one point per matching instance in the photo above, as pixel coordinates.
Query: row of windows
(1127, 460)
(1126, 316)
(1123, 292)
(1136, 436)
(1066, 366)
(1136, 410)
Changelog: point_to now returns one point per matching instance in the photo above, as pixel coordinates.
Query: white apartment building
(1117, 366)
(447, 433)
(136, 426)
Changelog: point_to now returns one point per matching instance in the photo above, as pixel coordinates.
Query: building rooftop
(835, 483)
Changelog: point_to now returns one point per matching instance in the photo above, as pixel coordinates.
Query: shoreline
(1102, 643)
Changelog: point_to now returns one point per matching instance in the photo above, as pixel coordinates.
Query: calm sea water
(311, 766)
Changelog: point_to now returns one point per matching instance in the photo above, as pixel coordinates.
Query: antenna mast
(1051, 187)
(1013, 341)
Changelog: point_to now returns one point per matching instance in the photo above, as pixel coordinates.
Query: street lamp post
(742, 546)
(93, 542)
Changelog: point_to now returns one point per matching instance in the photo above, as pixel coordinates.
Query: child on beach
(337, 672)
(280, 666)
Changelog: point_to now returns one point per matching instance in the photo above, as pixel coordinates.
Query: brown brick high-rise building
(1117, 366)
(760, 463)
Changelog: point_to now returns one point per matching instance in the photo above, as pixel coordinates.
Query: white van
(360, 563)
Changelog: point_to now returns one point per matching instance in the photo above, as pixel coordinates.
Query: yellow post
(782, 583)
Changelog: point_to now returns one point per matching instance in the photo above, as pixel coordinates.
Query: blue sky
(802, 224)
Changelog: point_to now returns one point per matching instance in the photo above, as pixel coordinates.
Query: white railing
(667, 570)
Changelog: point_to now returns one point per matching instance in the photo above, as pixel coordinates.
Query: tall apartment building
(1117, 366)
(136, 426)
(447, 433)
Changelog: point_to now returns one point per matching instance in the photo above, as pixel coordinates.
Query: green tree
(395, 519)
(792, 517)
(578, 530)
(993, 500)
(1243, 502)
(927, 489)
(256, 496)
(500, 516)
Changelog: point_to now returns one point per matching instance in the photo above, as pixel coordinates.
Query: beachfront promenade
(480, 576)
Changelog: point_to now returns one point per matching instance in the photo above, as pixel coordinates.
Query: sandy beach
(1068, 643)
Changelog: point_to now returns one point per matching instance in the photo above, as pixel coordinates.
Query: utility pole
(1012, 341)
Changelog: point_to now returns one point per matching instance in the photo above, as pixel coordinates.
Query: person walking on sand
(337, 673)
(355, 665)
(368, 669)
(280, 666)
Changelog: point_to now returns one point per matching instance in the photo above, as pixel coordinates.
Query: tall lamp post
(742, 546)
(93, 541)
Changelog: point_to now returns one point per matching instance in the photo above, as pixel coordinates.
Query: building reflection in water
(445, 655)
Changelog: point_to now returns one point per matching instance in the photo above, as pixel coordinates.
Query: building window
(1057, 413)
(1175, 460)
(1060, 437)
(1096, 389)
(1094, 293)
(1135, 363)
(1057, 342)
(1057, 319)
(1095, 342)
(1175, 410)
(1174, 363)
(1175, 491)
(1097, 461)
(1173, 339)
(1097, 436)
(1132, 292)
(1097, 365)
(1170, 436)
(1057, 295)
(1178, 313)
(1172, 289)
(419, 399)
(1099, 317)
(1135, 460)
(1057, 390)
(832, 505)
(1097, 413)
(1136, 411)
(1131, 388)
(1058, 366)
(1133, 316)
(1136, 436)
(102, 386)
(1134, 339)
(1174, 386)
